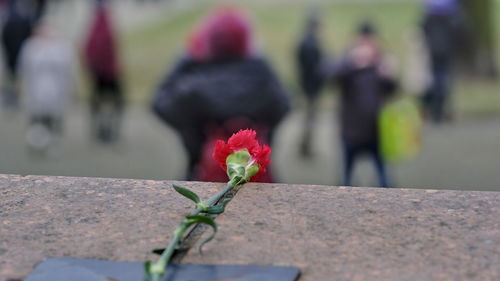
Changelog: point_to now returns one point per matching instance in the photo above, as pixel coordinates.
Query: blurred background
(458, 148)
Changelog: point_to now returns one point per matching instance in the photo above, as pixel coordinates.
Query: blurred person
(102, 60)
(16, 29)
(46, 70)
(309, 60)
(365, 78)
(220, 86)
(439, 28)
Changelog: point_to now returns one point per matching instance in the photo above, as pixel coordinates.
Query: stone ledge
(331, 233)
(112, 219)
(352, 233)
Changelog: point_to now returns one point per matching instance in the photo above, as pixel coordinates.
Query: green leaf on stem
(219, 208)
(187, 193)
(215, 210)
(204, 220)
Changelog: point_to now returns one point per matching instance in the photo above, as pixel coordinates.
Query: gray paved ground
(464, 155)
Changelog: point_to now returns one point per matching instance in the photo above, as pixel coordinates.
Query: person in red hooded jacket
(221, 85)
(102, 61)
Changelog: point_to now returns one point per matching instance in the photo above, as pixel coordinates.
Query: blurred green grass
(150, 50)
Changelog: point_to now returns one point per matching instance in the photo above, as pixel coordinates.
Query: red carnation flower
(244, 139)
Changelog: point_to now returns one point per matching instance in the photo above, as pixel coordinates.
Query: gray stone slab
(341, 233)
(111, 219)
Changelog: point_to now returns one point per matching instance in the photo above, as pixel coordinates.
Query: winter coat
(439, 32)
(100, 48)
(16, 29)
(309, 58)
(46, 68)
(198, 96)
(363, 92)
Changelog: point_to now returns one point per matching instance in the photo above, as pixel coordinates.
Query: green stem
(217, 196)
(158, 268)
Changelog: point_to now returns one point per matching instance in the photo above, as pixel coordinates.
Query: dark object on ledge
(64, 269)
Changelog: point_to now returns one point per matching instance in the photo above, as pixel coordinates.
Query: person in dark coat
(365, 81)
(101, 58)
(309, 60)
(17, 28)
(219, 87)
(439, 26)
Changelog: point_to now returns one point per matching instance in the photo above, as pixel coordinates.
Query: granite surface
(330, 233)
(344, 233)
(112, 219)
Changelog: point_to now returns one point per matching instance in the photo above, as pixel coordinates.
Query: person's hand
(387, 67)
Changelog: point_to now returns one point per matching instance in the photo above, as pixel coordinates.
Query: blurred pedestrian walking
(102, 60)
(46, 70)
(365, 78)
(439, 30)
(16, 29)
(220, 86)
(309, 61)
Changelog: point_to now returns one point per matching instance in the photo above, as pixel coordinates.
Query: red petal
(243, 139)
(221, 152)
(263, 158)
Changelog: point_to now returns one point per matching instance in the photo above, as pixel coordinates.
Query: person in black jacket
(309, 59)
(365, 80)
(439, 27)
(220, 86)
(20, 19)
(17, 28)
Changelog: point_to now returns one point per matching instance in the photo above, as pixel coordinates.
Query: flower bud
(241, 167)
